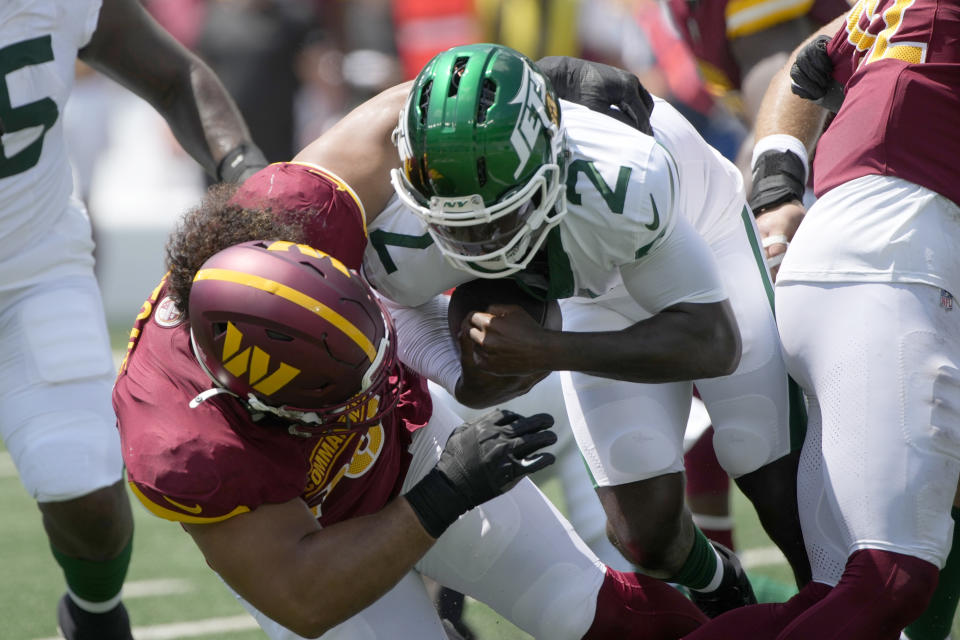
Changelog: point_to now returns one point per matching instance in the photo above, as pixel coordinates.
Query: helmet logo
(256, 361)
(532, 95)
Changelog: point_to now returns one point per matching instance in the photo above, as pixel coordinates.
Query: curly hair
(215, 224)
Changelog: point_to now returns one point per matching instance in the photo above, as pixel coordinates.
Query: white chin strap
(306, 417)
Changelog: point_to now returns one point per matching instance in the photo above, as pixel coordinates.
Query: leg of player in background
(58, 424)
(708, 491)
(708, 497)
(937, 620)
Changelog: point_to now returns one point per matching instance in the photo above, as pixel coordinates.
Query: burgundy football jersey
(901, 68)
(210, 461)
(708, 26)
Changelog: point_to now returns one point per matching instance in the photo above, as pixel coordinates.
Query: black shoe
(77, 624)
(450, 605)
(734, 590)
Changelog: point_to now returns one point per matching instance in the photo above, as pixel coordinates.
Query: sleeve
(89, 22)
(190, 512)
(843, 53)
(681, 269)
(656, 210)
(424, 341)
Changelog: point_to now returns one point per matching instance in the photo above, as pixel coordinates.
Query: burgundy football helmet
(294, 333)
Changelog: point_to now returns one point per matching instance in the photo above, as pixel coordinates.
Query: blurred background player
(57, 422)
(739, 46)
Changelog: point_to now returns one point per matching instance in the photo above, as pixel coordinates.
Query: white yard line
(160, 587)
(7, 470)
(194, 629)
(761, 557)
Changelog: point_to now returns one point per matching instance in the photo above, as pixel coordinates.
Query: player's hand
(241, 163)
(482, 459)
(777, 227)
(811, 76)
(478, 388)
(609, 90)
(489, 455)
(507, 341)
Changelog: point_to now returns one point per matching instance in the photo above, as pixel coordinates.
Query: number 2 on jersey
(40, 113)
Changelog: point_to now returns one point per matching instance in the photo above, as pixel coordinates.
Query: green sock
(95, 581)
(936, 621)
(700, 567)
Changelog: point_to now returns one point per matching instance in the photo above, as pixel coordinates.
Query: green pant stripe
(797, 405)
(758, 256)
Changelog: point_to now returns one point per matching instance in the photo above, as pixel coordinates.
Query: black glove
(241, 163)
(481, 460)
(811, 76)
(609, 90)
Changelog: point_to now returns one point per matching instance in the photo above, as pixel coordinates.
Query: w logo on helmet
(256, 362)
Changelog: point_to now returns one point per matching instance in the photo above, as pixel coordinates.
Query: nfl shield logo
(946, 300)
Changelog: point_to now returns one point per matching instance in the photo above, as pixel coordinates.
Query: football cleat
(76, 624)
(734, 590)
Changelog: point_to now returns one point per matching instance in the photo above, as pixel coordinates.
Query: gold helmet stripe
(294, 296)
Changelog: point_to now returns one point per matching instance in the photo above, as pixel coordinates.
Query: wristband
(778, 177)
(240, 163)
(436, 502)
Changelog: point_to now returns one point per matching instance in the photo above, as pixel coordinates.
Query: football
(478, 295)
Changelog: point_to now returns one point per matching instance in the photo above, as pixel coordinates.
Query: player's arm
(131, 48)
(359, 148)
(309, 578)
(306, 578)
(603, 88)
(787, 129)
(693, 334)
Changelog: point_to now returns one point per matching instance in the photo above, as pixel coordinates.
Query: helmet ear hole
(482, 170)
(488, 94)
(459, 66)
(424, 102)
(314, 268)
(219, 328)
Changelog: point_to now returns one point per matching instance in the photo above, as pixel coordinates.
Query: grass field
(171, 593)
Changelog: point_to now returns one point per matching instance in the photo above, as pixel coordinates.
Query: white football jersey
(625, 191)
(39, 40)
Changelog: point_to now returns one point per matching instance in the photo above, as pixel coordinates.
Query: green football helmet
(484, 157)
